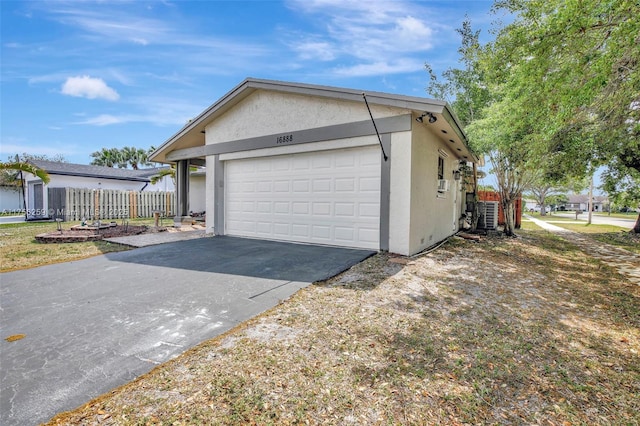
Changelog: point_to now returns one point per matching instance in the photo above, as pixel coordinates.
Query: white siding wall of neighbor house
(11, 200)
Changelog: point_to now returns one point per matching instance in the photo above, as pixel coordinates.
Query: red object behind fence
(494, 196)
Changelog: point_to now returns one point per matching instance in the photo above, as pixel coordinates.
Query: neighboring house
(303, 163)
(581, 202)
(11, 199)
(530, 205)
(68, 175)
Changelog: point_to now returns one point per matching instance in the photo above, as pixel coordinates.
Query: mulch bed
(90, 234)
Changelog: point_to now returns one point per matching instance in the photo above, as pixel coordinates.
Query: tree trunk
(590, 204)
(636, 227)
(509, 217)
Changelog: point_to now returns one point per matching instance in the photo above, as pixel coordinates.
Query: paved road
(602, 220)
(11, 219)
(95, 324)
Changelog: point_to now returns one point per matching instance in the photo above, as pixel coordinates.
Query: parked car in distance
(538, 208)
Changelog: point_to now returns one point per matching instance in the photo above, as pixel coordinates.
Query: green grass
(630, 215)
(609, 234)
(20, 250)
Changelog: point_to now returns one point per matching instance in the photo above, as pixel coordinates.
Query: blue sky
(78, 76)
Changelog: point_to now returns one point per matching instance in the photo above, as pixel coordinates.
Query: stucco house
(304, 163)
(69, 175)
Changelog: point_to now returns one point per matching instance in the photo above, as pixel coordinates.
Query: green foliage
(575, 63)
(463, 88)
(10, 176)
(23, 166)
(122, 158)
(555, 96)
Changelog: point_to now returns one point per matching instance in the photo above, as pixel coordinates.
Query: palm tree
(23, 166)
(135, 157)
(171, 171)
(108, 158)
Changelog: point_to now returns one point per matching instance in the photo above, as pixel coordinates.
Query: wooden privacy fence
(494, 196)
(93, 204)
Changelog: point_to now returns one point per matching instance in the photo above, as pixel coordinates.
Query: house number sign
(284, 139)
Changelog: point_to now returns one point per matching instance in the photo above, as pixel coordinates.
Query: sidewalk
(626, 262)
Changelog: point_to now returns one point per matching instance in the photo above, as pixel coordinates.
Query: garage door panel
(369, 185)
(329, 197)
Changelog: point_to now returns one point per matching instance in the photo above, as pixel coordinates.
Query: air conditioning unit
(488, 215)
(443, 185)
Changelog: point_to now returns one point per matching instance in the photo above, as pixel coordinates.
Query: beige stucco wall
(400, 193)
(266, 113)
(434, 217)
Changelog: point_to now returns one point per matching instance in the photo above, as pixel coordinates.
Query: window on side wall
(440, 168)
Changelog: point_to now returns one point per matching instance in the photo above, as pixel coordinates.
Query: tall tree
(576, 65)
(463, 87)
(623, 186)
(503, 136)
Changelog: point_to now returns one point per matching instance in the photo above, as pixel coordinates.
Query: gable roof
(583, 198)
(102, 172)
(192, 134)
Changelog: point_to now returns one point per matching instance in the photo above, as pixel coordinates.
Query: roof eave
(197, 126)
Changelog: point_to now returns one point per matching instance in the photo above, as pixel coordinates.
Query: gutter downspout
(145, 185)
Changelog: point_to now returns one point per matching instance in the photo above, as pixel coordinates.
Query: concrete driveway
(95, 324)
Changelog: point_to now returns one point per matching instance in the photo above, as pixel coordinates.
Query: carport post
(182, 194)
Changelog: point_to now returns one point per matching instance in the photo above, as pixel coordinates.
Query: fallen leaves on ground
(502, 331)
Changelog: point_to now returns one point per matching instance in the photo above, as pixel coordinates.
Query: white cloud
(318, 50)
(403, 65)
(156, 110)
(89, 87)
(104, 120)
(378, 37)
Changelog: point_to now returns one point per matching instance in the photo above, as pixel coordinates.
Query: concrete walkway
(626, 262)
(150, 239)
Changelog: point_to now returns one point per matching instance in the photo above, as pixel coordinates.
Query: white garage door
(324, 197)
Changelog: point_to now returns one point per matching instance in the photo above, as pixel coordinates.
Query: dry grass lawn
(20, 250)
(505, 331)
